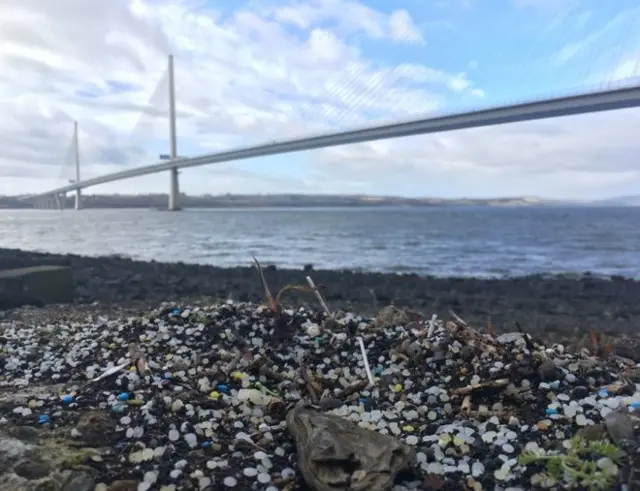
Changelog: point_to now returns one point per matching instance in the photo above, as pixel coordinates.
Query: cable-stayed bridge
(626, 94)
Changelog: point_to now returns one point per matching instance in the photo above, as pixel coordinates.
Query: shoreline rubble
(204, 399)
(565, 305)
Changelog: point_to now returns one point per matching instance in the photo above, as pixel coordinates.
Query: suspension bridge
(626, 94)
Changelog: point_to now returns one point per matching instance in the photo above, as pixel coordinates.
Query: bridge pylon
(174, 183)
(76, 152)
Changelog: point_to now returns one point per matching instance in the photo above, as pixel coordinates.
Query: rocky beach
(557, 304)
(240, 396)
(170, 376)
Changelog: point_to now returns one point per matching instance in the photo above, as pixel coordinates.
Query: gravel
(201, 399)
(558, 305)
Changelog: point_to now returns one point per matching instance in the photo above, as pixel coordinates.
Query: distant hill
(288, 200)
(159, 201)
(620, 201)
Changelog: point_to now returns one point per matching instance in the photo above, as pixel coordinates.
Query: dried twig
(316, 292)
(367, 369)
(375, 298)
(466, 403)
(309, 384)
(271, 302)
(231, 366)
(491, 384)
(490, 328)
(432, 326)
(458, 319)
(351, 389)
(272, 374)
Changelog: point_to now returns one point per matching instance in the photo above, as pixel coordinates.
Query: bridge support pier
(47, 202)
(78, 200)
(174, 190)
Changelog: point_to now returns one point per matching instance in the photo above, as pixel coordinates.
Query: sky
(248, 72)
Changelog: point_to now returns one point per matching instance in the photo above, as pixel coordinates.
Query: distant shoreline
(159, 201)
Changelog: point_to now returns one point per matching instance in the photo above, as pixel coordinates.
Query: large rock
(35, 285)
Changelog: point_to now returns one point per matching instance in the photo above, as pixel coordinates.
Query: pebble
(230, 482)
(191, 421)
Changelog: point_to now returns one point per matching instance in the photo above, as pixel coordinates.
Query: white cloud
(403, 29)
(349, 17)
(266, 73)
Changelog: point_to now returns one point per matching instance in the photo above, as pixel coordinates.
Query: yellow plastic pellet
(398, 388)
(215, 395)
(408, 428)
(445, 438)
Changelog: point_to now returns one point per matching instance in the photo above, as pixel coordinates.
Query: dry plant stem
(375, 299)
(367, 369)
(231, 366)
(490, 329)
(432, 326)
(351, 389)
(305, 376)
(458, 319)
(270, 300)
(491, 384)
(466, 403)
(246, 441)
(272, 374)
(313, 287)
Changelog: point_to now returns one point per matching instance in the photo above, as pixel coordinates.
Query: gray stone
(31, 469)
(620, 427)
(25, 433)
(81, 481)
(36, 285)
(11, 451)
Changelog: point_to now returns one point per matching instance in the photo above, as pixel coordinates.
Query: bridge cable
(621, 49)
(144, 125)
(67, 169)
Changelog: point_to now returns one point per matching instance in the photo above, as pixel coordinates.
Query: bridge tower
(76, 152)
(174, 184)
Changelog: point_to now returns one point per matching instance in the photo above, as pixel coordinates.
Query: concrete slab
(35, 285)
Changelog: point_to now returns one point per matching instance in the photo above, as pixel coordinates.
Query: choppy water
(475, 241)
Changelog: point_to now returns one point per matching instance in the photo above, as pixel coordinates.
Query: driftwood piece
(335, 454)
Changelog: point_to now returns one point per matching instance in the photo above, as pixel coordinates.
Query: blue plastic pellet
(44, 419)
(124, 396)
(549, 411)
(222, 388)
(67, 398)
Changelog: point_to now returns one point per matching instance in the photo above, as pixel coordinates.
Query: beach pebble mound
(197, 398)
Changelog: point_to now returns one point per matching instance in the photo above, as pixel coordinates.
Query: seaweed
(579, 466)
